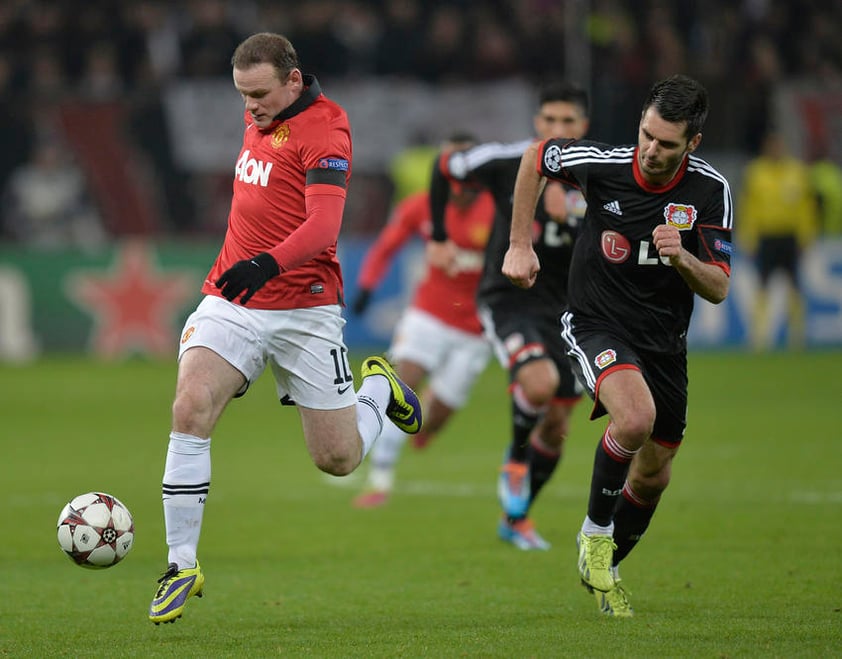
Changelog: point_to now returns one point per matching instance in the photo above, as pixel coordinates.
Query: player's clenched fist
(667, 241)
(521, 266)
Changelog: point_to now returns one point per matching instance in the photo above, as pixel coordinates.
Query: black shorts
(521, 336)
(777, 253)
(594, 353)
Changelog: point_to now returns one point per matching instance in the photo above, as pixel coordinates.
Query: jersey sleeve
(482, 164)
(439, 196)
(326, 157)
(405, 222)
(554, 162)
(714, 230)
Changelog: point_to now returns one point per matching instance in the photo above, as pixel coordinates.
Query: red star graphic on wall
(133, 303)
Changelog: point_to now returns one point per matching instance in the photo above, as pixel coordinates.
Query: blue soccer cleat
(522, 534)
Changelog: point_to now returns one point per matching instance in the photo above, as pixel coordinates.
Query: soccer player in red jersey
(273, 298)
(439, 337)
(657, 232)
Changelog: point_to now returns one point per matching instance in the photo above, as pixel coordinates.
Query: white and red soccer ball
(95, 530)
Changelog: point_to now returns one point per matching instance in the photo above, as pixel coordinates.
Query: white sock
(184, 490)
(589, 528)
(384, 456)
(381, 479)
(372, 400)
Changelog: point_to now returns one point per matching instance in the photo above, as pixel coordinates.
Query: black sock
(542, 464)
(610, 466)
(631, 519)
(524, 420)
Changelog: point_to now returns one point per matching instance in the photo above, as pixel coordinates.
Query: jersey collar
(311, 92)
(649, 187)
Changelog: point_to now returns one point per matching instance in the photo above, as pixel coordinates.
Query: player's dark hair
(462, 136)
(564, 91)
(266, 48)
(680, 98)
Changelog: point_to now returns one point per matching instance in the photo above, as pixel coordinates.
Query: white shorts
(453, 358)
(304, 347)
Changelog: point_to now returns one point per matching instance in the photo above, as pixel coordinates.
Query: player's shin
(611, 464)
(525, 417)
(184, 491)
(371, 419)
(631, 519)
(542, 464)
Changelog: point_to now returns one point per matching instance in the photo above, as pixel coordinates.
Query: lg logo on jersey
(617, 249)
(250, 170)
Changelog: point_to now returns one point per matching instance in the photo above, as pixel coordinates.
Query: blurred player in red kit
(439, 337)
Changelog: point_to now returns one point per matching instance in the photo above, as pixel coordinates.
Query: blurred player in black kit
(523, 325)
(657, 231)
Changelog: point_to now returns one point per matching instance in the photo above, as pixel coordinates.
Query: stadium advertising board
(132, 298)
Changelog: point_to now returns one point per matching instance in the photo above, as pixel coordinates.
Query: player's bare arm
(706, 280)
(521, 264)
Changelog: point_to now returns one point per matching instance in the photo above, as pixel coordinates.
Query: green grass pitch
(743, 558)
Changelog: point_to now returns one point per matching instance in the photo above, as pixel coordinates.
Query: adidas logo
(613, 207)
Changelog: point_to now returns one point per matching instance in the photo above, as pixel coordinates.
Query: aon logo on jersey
(251, 170)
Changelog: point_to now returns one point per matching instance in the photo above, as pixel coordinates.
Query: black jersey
(617, 280)
(495, 167)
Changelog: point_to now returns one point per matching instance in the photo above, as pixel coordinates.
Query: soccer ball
(95, 530)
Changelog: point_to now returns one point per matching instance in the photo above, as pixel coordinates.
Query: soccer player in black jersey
(523, 325)
(657, 231)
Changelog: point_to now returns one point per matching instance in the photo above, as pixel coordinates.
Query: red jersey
(306, 149)
(451, 299)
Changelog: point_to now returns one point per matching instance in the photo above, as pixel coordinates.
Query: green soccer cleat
(595, 554)
(404, 408)
(177, 586)
(615, 602)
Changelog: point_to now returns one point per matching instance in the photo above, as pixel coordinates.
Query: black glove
(360, 303)
(248, 275)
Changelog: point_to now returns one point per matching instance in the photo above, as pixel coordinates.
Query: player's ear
(295, 77)
(694, 143)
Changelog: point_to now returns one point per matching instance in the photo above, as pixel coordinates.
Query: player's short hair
(461, 137)
(564, 91)
(266, 48)
(680, 98)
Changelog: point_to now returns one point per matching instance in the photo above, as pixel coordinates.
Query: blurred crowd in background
(76, 71)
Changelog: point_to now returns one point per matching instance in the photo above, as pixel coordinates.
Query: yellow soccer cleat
(595, 555)
(404, 408)
(177, 586)
(614, 602)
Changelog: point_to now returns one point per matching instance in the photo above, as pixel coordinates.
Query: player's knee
(539, 391)
(633, 425)
(336, 462)
(553, 442)
(538, 381)
(191, 412)
(335, 466)
(649, 487)
(553, 434)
